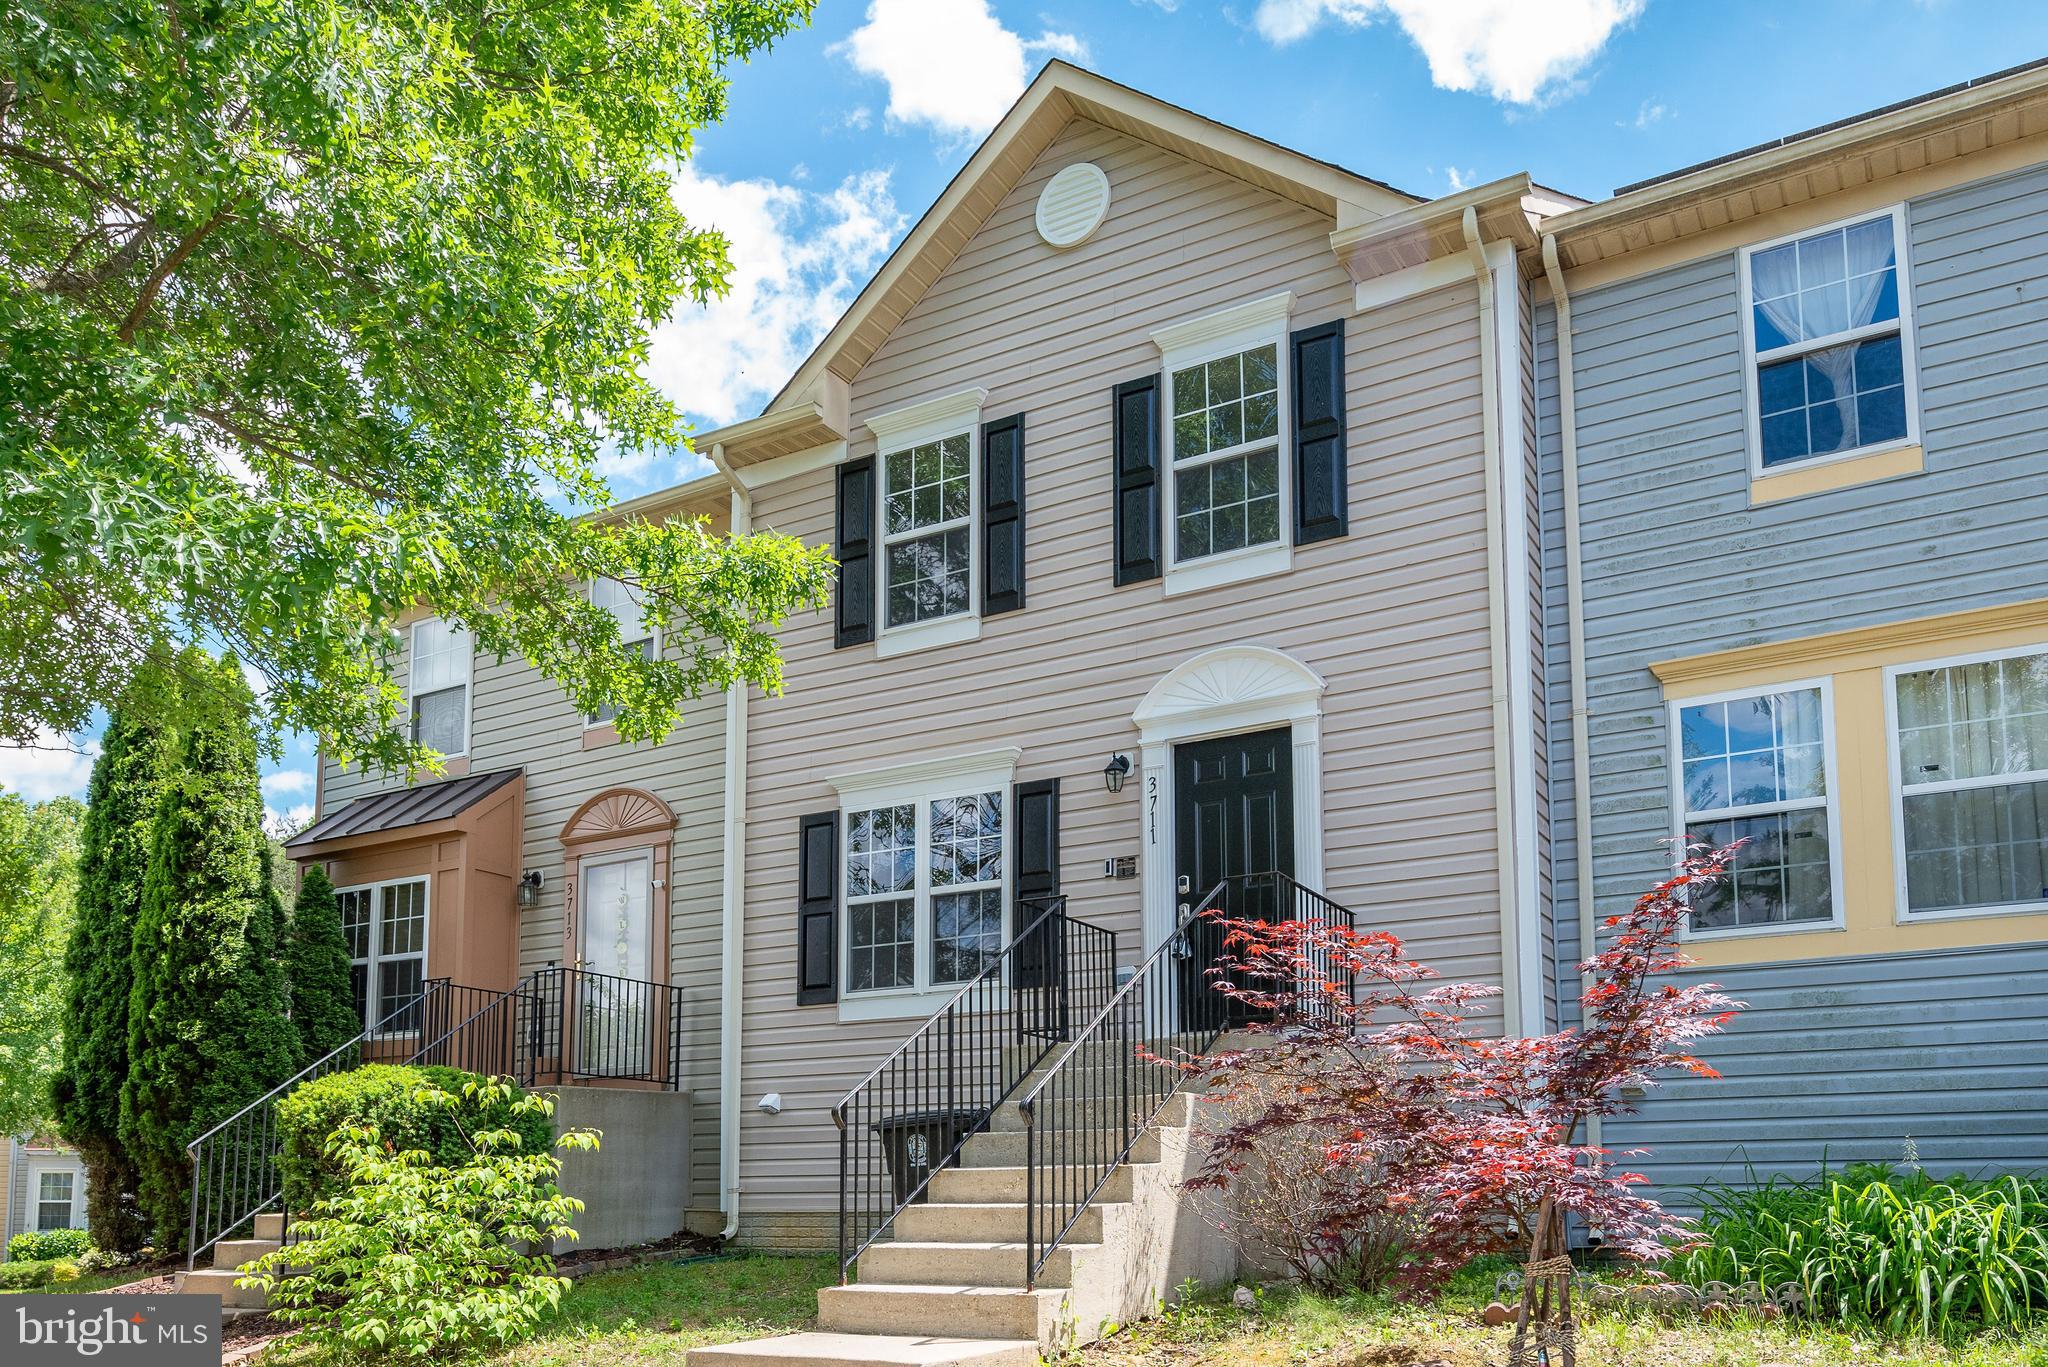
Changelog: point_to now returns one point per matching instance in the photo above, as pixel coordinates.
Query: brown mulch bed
(581, 1262)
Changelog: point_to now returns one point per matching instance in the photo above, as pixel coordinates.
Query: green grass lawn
(80, 1285)
(657, 1312)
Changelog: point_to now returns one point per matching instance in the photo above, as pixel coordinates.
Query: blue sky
(841, 136)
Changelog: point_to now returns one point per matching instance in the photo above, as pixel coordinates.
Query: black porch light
(1115, 772)
(530, 883)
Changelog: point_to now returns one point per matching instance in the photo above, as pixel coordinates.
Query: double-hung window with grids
(1970, 745)
(385, 925)
(636, 638)
(1830, 336)
(1756, 767)
(439, 686)
(925, 897)
(928, 530)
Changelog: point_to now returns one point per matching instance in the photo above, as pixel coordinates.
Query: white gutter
(733, 897)
(1496, 617)
(1575, 618)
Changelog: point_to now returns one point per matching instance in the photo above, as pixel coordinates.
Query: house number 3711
(1152, 809)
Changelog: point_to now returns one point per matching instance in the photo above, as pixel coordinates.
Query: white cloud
(286, 824)
(798, 258)
(949, 64)
(1649, 113)
(1458, 179)
(1518, 51)
(55, 766)
(286, 782)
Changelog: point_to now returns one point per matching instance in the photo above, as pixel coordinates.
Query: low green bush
(1903, 1252)
(26, 1275)
(416, 1259)
(388, 1098)
(41, 1245)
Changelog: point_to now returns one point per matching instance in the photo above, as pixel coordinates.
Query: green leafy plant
(396, 1101)
(316, 963)
(1903, 1252)
(415, 1259)
(26, 1276)
(40, 1245)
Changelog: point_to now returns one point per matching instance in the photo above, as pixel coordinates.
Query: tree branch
(155, 283)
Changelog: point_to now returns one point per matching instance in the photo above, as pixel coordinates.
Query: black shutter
(855, 551)
(1037, 846)
(1137, 480)
(1321, 509)
(1002, 515)
(817, 909)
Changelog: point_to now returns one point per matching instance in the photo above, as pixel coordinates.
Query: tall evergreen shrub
(138, 755)
(208, 1029)
(317, 963)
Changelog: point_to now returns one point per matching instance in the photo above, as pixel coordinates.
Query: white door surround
(1222, 692)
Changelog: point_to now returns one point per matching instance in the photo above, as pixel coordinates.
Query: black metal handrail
(909, 1118)
(1086, 1113)
(577, 1026)
(234, 1164)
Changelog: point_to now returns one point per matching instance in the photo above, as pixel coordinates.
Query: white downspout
(1497, 631)
(1575, 619)
(733, 895)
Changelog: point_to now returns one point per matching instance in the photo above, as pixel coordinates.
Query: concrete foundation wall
(635, 1187)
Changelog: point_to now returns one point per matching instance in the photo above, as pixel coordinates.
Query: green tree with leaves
(313, 310)
(38, 866)
(138, 755)
(317, 963)
(208, 1029)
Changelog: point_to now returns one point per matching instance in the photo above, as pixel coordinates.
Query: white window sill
(1910, 918)
(944, 631)
(900, 1003)
(1686, 934)
(1232, 567)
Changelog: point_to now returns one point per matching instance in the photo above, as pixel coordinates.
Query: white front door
(615, 950)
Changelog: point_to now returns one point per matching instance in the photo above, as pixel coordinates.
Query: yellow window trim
(1856, 661)
(1798, 482)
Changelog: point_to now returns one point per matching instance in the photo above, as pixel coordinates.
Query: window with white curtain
(440, 686)
(55, 1200)
(1829, 333)
(1755, 767)
(623, 602)
(1971, 745)
(385, 925)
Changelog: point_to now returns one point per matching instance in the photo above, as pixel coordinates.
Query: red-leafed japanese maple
(1460, 1140)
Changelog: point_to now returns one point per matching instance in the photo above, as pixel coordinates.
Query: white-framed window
(1758, 765)
(385, 925)
(438, 686)
(928, 486)
(1969, 752)
(56, 1200)
(1225, 419)
(1828, 341)
(926, 873)
(636, 637)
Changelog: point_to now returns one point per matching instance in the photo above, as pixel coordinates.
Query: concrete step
(270, 1226)
(220, 1281)
(984, 1264)
(981, 1312)
(933, 1222)
(234, 1253)
(1088, 1115)
(1006, 1150)
(1005, 1186)
(867, 1350)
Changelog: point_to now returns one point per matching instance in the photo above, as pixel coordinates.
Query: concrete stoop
(949, 1286)
(230, 1256)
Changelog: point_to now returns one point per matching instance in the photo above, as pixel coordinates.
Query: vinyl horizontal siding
(1394, 616)
(1677, 562)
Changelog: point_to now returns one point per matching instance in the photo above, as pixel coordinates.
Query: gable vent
(1072, 204)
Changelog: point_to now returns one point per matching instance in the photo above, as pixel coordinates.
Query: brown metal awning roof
(402, 807)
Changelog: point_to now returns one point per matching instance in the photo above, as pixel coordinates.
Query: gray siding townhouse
(1205, 510)
(1800, 413)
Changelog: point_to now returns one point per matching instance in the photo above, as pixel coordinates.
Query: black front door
(1233, 815)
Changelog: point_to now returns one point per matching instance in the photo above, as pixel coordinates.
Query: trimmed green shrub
(208, 1029)
(41, 1245)
(26, 1276)
(316, 963)
(1903, 1252)
(416, 1258)
(385, 1097)
(138, 755)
